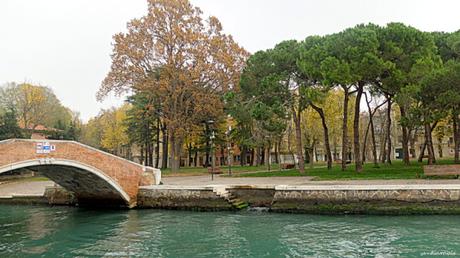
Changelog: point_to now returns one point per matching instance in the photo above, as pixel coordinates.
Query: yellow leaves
(36, 105)
(108, 130)
(32, 94)
(114, 134)
(333, 110)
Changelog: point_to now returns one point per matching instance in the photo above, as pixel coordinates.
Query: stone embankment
(320, 199)
(316, 199)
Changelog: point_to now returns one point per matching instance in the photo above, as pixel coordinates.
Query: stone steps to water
(240, 205)
(231, 199)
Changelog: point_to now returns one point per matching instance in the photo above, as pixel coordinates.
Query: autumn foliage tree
(186, 61)
(108, 131)
(34, 105)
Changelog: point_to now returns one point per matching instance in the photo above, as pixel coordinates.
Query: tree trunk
(440, 148)
(255, 156)
(195, 159)
(374, 145)
(267, 157)
(289, 145)
(366, 134)
(222, 159)
(298, 135)
(242, 155)
(142, 161)
(150, 153)
(189, 158)
(345, 129)
(262, 154)
(276, 153)
(372, 128)
(326, 135)
(175, 152)
(311, 157)
(356, 143)
(405, 138)
(412, 143)
(389, 153)
(456, 137)
(147, 153)
(383, 152)
(429, 144)
(157, 145)
(422, 152)
(335, 151)
(165, 145)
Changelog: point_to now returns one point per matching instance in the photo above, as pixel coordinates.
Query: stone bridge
(94, 176)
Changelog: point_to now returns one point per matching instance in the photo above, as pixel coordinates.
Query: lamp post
(213, 156)
(211, 137)
(268, 157)
(229, 150)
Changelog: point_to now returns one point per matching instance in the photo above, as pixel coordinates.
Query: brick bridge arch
(92, 175)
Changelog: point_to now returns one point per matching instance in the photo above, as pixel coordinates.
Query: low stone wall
(385, 199)
(52, 196)
(371, 200)
(24, 200)
(187, 198)
(59, 196)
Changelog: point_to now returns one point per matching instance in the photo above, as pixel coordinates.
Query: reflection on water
(27, 231)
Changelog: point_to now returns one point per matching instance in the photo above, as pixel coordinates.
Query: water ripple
(71, 232)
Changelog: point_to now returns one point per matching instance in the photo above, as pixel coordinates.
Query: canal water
(36, 231)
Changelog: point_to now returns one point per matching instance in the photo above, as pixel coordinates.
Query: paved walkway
(304, 180)
(24, 187)
(219, 180)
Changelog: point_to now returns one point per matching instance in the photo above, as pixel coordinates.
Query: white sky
(66, 45)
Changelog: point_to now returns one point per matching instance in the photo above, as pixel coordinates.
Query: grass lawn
(395, 171)
(191, 171)
(27, 179)
(36, 179)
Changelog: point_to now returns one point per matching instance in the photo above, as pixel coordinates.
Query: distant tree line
(25, 108)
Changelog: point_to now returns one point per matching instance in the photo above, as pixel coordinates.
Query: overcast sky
(66, 45)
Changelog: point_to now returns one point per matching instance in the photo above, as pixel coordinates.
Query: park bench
(215, 171)
(442, 170)
(339, 161)
(287, 166)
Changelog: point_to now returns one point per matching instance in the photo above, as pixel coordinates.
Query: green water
(32, 231)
